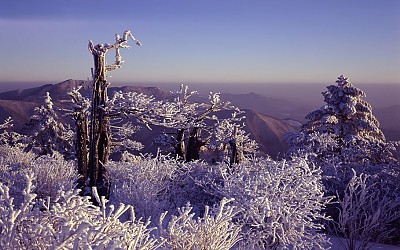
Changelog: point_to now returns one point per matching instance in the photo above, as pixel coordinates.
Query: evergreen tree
(342, 131)
(47, 133)
(10, 137)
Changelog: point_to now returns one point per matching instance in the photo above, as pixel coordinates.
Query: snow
(339, 243)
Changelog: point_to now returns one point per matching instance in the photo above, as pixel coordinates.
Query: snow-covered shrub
(13, 163)
(214, 230)
(155, 184)
(52, 174)
(16, 220)
(69, 222)
(11, 156)
(142, 183)
(183, 188)
(281, 202)
(366, 212)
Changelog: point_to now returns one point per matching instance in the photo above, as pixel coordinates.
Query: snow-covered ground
(340, 244)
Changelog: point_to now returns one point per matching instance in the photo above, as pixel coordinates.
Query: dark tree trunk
(194, 145)
(180, 146)
(234, 159)
(236, 156)
(100, 139)
(82, 143)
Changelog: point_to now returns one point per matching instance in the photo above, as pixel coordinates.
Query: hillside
(276, 107)
(267, 118)
(18, 110)
(60, 91)
(266, 130)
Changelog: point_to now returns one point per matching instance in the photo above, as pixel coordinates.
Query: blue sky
(208, 41)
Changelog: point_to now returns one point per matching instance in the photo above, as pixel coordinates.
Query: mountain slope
(266, 130)
(60, 91)
(20, 111)
(276, 107)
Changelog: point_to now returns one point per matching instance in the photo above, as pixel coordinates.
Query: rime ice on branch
(343, 130)
(100, 50)
(100, 139)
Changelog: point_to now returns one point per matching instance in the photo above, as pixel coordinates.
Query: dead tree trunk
(100, 139)
(180, 145)
(82, 144)
(194, 145)
(234, 154)
(100, 134)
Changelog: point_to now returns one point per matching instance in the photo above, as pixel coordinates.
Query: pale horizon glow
(207, 41)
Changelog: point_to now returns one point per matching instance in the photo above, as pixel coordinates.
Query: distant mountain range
(267, 119)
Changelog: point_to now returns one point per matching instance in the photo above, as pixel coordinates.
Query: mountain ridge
(268, 119)
(19, 104)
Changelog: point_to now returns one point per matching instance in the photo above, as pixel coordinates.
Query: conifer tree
(9, 137)
(344, 130)
(47, 133)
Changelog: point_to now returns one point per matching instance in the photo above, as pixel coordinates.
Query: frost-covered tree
(130, 111)
(47, 134)
(230, 141)
(196, 125)
(341, 135)
(119, 109)
(99, 133)
(343, 131)
(186, 136)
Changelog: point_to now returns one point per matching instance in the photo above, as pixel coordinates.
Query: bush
(52, 174)
(281, 202)
(214, 230)
(68, 222)
(153, 185)
(142, 183)
(13, 161)
(71, 221)
(366, 212)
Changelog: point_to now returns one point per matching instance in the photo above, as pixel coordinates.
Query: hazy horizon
(378, 95)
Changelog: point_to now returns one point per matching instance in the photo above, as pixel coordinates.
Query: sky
(207, 41)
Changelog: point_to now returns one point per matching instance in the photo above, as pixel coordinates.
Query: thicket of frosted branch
(280, 202)
(366, 212)
(271, 204)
